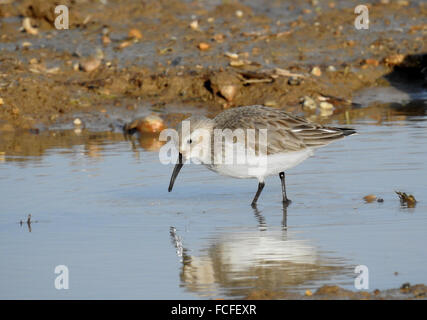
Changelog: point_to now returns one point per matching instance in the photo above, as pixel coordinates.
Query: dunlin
(289, 140)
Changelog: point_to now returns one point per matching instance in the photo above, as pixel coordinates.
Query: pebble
(203, 46)
(77, 122)
(219, 37)
(194, 25)
(1, 101)
(316, 71)
(237, 63)
(332, 69)
(151, 124)
(135, 34)
(90, 64)
(125, 44)
(370, 198)
(308, 293)
(231, 55)
(394, 59)
(239, 13)
(372, 62)
(228, 91)
(271, 103)
(26, 24)
(309, 103)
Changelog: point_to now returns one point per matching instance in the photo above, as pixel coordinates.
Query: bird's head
(194, 134)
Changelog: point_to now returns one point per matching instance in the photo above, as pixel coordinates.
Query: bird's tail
(347, 131)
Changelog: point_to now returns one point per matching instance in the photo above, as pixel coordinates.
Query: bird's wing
(285, 132)
(279, 135)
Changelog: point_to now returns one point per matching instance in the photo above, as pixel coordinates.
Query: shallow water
(100, 206)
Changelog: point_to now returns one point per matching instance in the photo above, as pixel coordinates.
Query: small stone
(350, 43)
(372, 62)
(1, 101)
(309, 103)
(308, 293)
(151, 124)
(194, 25)
(394, 59)
(219, 37)
(135, 34)
(239, 13)
(332, 69)
(125, 44)
(237, 63)
(77, 122)
(26, 25)
(370, 198)
(89, 65)
(380, 200)
(203, 46)
(270, 103)
(316, 71)
(228, 91)
(231, 55)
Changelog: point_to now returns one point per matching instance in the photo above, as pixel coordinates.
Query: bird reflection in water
(234, 264)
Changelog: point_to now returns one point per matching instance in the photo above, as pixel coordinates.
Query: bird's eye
(189, 141)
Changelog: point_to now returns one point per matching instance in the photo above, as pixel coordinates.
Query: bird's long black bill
(175, 172)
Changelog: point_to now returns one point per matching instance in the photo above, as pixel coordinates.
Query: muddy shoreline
(42, 82)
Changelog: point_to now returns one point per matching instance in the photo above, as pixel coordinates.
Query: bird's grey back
(285, 132)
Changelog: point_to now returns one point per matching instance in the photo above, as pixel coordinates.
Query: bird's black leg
(285, 198)
(260, 187)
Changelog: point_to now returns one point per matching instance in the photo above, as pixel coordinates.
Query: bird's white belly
(262, 167)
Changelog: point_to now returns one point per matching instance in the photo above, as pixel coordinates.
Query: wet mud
(132, 55)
